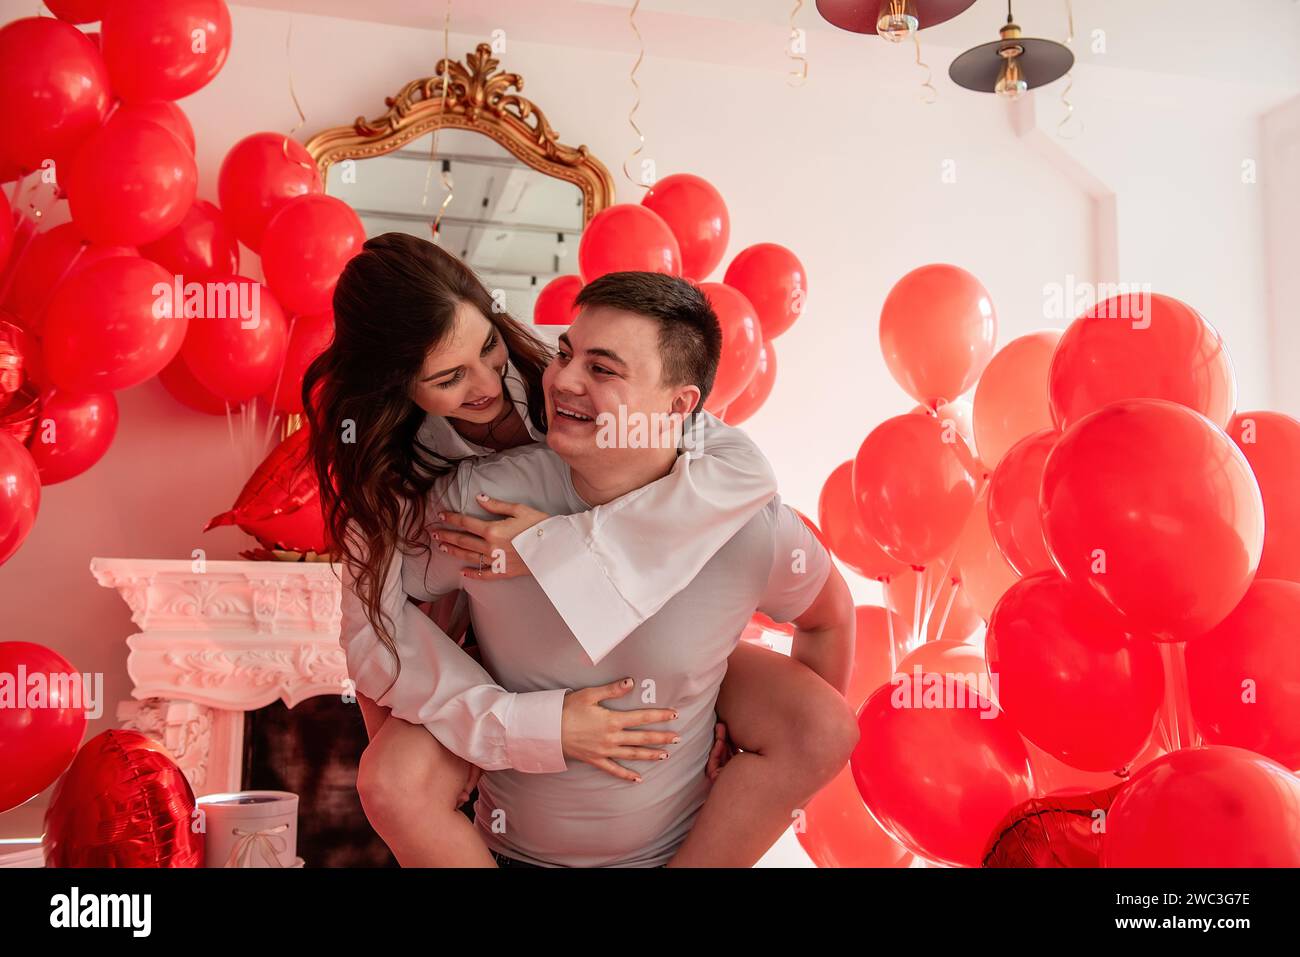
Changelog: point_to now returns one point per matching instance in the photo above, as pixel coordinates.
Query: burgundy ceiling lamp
(894, 20)
(1011, 66)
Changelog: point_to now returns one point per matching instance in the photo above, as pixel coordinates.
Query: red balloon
(166, 114)
(1071, 675)
(697, 216)
(627, 237)
(1140, 347)
(112, 325)
(132, 182)
(942, 657)
(238, 352)
(164, 49)
(1206, 807)
(1011, 397)
(53, 91)
(914, 481)
(304, 249)
(1243, 676)
(554, 306)
(1055, 831)
(936, 330)
(755, 394)
(73, 433)
(1155, 509)
(20, 496)
(308, 338)
(938, 778)
(1054, 776)
(773, 279)
(123, 803)
(39, 739)
(50, 258)
(259, 175)
(963, 620)
(200, 248)
(78, 11)
(280, 503)
(1013, 503)
(178, 380)
(742, 344)
(1271, 443)
(6, 231)
(839, 832)
(837, 515)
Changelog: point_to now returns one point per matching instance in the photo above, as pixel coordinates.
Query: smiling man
(644, 350)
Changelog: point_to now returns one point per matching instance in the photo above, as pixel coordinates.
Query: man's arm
(805, 587)
(609, 569)
(824, 634)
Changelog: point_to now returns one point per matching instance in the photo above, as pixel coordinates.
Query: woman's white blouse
(603, 570)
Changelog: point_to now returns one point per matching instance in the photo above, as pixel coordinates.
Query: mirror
(507, 196)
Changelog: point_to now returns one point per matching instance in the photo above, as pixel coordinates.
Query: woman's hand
(485, 543)
(596, 735)
(723, 750)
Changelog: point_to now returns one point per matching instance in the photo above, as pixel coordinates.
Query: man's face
(608, 360)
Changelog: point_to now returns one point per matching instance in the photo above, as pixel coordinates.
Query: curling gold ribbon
(933, 94)
(796, 77)
(448, 184)
(1069, 80)
(631, 19)
(293, 95)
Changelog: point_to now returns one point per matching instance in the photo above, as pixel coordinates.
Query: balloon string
(893, 652)
(444, 177)
(293, 95)
(631, 19)
(797, 77)
(271, 417)
(35, 213)
(1176, 697)
(917, 624)
(1069, 78)
(947, 610)
(931, 94)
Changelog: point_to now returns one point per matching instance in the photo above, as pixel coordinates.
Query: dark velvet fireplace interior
(312, 750)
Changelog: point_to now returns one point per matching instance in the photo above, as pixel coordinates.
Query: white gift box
(251, 829)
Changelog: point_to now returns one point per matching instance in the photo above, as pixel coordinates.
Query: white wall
(845, 170)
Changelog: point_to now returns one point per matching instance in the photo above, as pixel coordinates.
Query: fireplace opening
(312, 750)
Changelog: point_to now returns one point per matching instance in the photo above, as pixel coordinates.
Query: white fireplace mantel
(217, 639)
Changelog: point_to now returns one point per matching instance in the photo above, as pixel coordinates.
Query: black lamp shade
(1042, 62)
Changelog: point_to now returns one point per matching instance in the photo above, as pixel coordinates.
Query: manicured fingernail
(442, 548)
(442, 516)
(482, 496)
(677, 741)
(627, 682)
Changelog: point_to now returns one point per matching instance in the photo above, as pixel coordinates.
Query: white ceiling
(1252, 42)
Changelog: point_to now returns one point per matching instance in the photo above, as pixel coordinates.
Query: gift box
(251, 829)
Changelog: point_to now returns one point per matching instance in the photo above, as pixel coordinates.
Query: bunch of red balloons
(681, 228)
(1128, 539)
(144, 280)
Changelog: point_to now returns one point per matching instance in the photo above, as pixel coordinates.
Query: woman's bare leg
(409, 786)
(796, 732)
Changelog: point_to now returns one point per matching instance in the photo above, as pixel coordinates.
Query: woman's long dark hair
(395, 301)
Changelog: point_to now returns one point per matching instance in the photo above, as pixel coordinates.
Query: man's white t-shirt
(584, 817)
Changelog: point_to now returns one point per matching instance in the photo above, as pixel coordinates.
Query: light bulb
(897, 20)
(1011, 80)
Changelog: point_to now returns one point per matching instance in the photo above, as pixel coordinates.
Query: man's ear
(686, 399)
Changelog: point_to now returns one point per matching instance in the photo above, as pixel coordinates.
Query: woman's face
(461, 377)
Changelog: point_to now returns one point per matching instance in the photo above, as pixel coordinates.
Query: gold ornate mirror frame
(481, 98)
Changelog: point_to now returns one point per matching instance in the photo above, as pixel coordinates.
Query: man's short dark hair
(690, 338)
